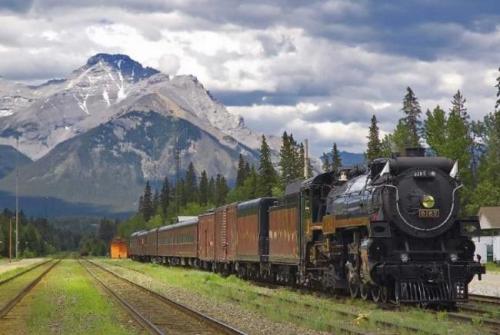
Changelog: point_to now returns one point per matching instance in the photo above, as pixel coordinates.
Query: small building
(488, 244)
(118, 248)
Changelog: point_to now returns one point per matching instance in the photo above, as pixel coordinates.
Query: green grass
(13, 272)
(278, 307)
(68, 302)
(492, 267)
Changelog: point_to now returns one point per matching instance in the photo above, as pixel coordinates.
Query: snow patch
(105, 95)
(5, 112)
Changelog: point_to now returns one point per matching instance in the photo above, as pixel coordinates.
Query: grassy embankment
(68, 302)
(279, 308)
(492, 267)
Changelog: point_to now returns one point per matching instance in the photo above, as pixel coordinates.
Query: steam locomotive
(390, 232)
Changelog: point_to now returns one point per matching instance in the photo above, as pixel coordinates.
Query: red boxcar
(206, 237)
(179, 242)
(284, 225)
(225, 233)
(252, 230)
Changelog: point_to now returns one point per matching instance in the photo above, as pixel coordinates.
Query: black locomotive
(390, 232)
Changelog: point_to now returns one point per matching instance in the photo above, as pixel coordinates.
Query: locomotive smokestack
(415, 152)
(306, 158)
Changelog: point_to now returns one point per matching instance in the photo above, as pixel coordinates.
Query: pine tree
(374, 150)
(165, 197)
(267, 174)
(241, 173)
(140, 207)
(301, 163)
(386, 146)
(286, 162)
(325, 162)
(412, 111)
(497, 104)
(211, 191)
(147, 203)
(203, 188)
(191, 184)
(156, 201)
(336, 159)
(458, 106)
(221, 190)
(247, 169)
(435, 130)
(401, 136)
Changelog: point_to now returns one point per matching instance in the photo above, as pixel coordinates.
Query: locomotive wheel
(384, 294)
(375, 292)
(354, 286)
(364, 291)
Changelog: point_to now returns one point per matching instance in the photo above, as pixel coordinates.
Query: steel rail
(6, 280)
(212, 322)
(14, 301)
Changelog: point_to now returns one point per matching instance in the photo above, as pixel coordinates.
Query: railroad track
(28, 269)
(153, 311)
(24, 286)
(484, 299)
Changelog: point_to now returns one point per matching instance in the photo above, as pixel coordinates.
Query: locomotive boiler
(394, 232)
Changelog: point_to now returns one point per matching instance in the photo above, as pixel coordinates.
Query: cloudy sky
(319, 69)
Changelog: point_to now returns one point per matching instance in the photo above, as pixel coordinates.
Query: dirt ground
(489, 285)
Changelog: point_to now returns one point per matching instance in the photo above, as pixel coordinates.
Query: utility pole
(10, 240)
(17, 202)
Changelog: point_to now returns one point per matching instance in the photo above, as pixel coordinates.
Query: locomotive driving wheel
(364, 291)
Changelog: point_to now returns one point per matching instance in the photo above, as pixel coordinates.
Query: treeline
(194, 193)
(450, 133)
(36, 236)
(96, 243)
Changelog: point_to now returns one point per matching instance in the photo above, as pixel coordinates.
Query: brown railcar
(225, 233)
(206, 237)
(137, 242)
(252, 230)
(151, 243)
(179, 240)
(284, 227)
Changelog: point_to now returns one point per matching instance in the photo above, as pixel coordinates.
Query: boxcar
(252, 230)
(151, 243)
(225, 235)
(118, 248)
(284, 227)
(137, 242)
(178, 243)
(206, 239)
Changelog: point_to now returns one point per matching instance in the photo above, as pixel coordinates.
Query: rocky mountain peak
(123, 63)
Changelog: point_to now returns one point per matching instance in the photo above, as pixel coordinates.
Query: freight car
(391, 231)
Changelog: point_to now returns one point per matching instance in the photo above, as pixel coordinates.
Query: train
(390, 232)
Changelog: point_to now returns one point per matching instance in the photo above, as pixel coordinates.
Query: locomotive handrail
(417, 228)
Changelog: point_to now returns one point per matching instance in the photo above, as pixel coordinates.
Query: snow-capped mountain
(46, 115)
(98, 135)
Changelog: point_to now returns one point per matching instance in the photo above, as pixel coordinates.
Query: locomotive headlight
(404, 257)
(428, 201)
(453, 257)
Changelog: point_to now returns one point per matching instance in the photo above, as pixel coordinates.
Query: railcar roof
(180, 224)
(139, 233)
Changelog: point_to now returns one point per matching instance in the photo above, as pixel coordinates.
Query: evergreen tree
(497, 104)
(140, 208)
(458, 106)
(181, 196)
(221, 190)
(267, 174)
(156, 201)
(241, 174)
(325, 162)
(165, 197)
(401, 136)
(435, 130)
(211, 190)
(191, 184)
(286, 162)
(204, 195)
(106, 230)
(412, 111)
(147, 203)
(374, 145)
(487, 192)
(247, 169)
(336, 159)
(301, 163)
(386, 146)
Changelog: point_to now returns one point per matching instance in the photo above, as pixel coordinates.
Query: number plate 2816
(428, 213)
